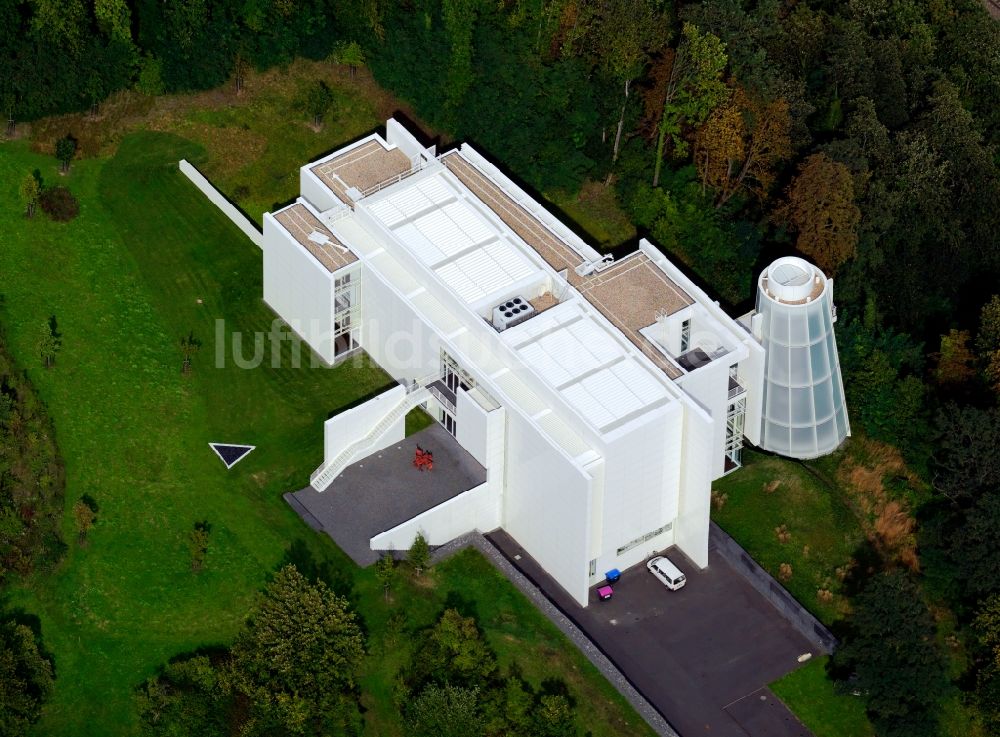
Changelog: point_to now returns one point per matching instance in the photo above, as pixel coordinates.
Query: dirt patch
(128, 110)
(886, 519)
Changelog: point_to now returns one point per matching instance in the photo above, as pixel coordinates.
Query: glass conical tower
(804, 411)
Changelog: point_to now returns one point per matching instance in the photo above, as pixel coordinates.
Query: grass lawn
(823, 532)
(595, 209)
(810, 694)
(147, 261)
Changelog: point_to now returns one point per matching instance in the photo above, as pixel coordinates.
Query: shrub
(59, 204)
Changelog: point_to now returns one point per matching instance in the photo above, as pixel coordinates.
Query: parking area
(703, 655)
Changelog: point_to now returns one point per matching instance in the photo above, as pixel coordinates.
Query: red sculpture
(423, 460)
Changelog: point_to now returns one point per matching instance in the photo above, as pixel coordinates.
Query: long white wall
(709, 385)
(547, 506)
(694, 503)
(298, 288)
(393, 335)
(642, 482)
(230, 210)
(348, 426)
(475, 509)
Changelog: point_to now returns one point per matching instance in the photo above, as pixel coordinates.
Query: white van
(669, 574)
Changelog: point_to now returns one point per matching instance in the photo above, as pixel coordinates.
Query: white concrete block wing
(601, 397)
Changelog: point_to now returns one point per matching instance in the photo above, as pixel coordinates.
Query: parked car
(669, 574)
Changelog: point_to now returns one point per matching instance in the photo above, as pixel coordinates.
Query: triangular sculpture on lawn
(231, 453)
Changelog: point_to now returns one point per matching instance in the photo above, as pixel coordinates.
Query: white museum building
(600, 396)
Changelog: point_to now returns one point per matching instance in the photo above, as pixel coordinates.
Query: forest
(862, 134)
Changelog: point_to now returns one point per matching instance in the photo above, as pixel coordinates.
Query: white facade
(601, 414)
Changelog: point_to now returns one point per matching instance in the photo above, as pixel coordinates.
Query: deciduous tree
(893, 658)
(454, 652)
(297, 659)
(65, 151)
(955, 360)
(350, 54)
(84, 516)
(988, 341)
(446, 711)
(693, 89)
(385, 572)
(420, 554)
(25, 679)
(822, 212)
(740, 144)
(966, 462)
(30, 192)
(317, 101)
(622, 35)
(189, 346)
(49, 342)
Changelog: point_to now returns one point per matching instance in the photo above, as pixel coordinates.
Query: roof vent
(511, 312)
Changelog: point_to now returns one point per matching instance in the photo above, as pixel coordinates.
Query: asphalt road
(703, 655)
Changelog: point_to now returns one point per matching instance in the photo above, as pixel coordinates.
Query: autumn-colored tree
(30, 192)
(988, 341)
(822, 211)
(955, 361)
(692, 90)
(84, 516)
(740, 144)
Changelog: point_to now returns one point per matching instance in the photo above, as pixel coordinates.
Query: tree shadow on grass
(302, 557)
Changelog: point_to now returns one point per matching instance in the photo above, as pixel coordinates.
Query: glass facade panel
(799, 370)
(777, 405)
(798, 333)
(820, 362)
(779, 326)
(823, 400)
(802, 406)
(777, 364)
(776, 437)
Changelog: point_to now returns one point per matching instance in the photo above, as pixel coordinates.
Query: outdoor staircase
(323, 476)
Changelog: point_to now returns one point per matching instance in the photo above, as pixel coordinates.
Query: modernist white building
(601, 396)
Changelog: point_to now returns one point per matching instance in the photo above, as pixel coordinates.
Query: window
(455, 376)
(735, 420)
(685, 335)
(346, 313)
(640, 540)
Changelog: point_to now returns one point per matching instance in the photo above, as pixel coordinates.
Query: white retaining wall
(350, 425)
(476, 509)
(230, 210)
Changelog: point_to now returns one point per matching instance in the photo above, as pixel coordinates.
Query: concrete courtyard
(384, 490)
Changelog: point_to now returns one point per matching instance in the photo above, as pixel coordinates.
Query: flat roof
(578, 358)
(306, 228)
(629, 293)
(363, 166)
(440, 226)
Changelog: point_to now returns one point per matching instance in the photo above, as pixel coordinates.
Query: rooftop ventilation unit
(511, 312)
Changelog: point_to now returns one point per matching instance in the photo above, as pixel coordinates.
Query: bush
(59, 204)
